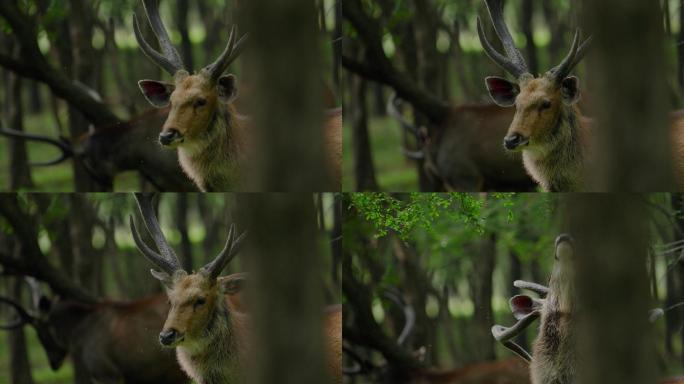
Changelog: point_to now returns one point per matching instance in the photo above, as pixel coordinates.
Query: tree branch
(35, 66)
(380, 68)
(33, 261)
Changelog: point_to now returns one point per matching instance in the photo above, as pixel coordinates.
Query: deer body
(98, 337)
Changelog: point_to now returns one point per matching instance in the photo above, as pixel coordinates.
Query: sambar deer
(211, 334)
(548, 128)
(211, 137)
(109, 342)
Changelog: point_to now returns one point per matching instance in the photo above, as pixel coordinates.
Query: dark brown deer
(211, 337)
(109, 342)
(451, 145)
(509, 371)
(107, 151)
(463, 154)
(211, 137)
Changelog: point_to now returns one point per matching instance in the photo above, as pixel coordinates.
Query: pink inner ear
(153, 88)
(521, 303)
(499, 85)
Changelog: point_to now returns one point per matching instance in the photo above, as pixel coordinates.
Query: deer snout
(514, 141)
(170, 136)
(169, 337)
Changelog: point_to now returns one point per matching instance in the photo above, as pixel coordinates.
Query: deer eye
(546, 104)
(200, 103)
(199, 301)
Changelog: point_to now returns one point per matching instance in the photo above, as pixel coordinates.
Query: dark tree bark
(626, 107)
(281, 230)
(35, 98)
(364, 168)
(286, 80)
(680, 47)
(182, 11)
(481, 295)
(87, 260)
(528, 30)
(182, 223)
(337, 44)
(20, 172)
(20, 366)
(612, 288)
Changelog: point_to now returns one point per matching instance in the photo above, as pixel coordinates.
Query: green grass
(393, 171)
(40, 368)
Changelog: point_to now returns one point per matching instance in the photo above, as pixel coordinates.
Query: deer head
(194, 297)
(195, 99)
(539, 101)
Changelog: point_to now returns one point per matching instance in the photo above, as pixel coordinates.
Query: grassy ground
(392, 170)
(42, 374)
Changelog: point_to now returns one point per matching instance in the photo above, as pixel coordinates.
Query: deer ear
(522, 305)
(502, 91)
(156, 92)
(233, 284)
(570, 90)
(164, 277)
(227, 88)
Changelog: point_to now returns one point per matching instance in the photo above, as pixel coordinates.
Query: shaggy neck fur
(214, 358)
(212, 160)
(554, 357)
(557, 164)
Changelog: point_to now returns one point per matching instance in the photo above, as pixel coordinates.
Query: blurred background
(88, 49)
(426, 276)
(434, 49)
(80, 250)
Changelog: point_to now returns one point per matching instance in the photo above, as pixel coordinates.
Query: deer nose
(169, 136)
(168, 337)
(513, 141)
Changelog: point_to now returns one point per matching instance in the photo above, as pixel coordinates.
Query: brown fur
(214, 137)
(215, 340)
(510, 371)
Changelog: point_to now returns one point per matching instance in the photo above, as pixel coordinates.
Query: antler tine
(515, 63)
(166, 259)
(64, 146)
(560, 71)
(581, 51)
(169, 59)
(502, 333)
(227, 254)
(24, 317)
(229, 54)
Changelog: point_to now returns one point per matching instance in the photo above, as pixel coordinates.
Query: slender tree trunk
(20, 366)
(182, 10)
(481, 294)
(20, 172)
(680, 47)
(611, 240)
(528, 30)
(364, 168)
(182, 223)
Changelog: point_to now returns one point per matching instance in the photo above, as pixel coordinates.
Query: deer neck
(557, 164)
(212, 161)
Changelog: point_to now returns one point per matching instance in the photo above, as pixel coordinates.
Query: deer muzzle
(170, 337)
(514, 141)
(170, 136)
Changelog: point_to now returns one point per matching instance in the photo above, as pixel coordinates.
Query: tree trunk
(611, 240)
(680, 47)
(528, 31)
(626, 107)
(20, 366)
(282, 230)
(481, 295)
(20, 172)
(286, 80)
(364, 168)
(182, 223)
(182, 10)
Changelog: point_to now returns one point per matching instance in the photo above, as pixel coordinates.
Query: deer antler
(166, 259)
(63, 145)
(514, 63)
(229, 251)
(23, 318)
(573, 58)
(229, 54)
(534, 287)
(504, 334)
(169, 59)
